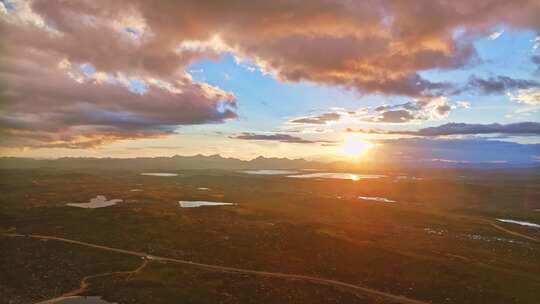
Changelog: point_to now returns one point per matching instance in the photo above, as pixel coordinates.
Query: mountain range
(218, 162)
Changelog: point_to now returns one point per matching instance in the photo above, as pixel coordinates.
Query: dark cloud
(499, 84)
(273, 137)
(443, 110)
(522, 128)
(444, 152)
(286, 138)
(319, 119)
(395, 116)
(536, 60)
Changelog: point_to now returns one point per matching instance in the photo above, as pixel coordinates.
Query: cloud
(394, 116)
(374, 47)
(527, 96)
(523, 128)
(421, 109)
(536, 60)
(318, 119)
(49, 100)
(499, 84)
(536, 43)
(49, 106)
(463, 104)
(495, 35)
(272, 137)
(444, 152)
(286, 138)
(141, 50)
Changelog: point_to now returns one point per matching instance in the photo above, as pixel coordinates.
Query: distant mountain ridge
(176, 162)
(218, 162)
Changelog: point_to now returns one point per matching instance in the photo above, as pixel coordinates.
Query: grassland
(437, 243)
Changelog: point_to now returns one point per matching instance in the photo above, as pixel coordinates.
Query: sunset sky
(438, 81)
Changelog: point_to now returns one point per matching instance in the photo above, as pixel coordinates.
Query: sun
(354, 146)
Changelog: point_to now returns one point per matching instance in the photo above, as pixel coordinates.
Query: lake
(338, 175)
(376, 198)
(99, 201)
(159, 174)
(270, 172)
(194, 204)
(522, 223)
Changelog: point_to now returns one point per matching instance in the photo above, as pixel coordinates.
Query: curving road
(83, 285)
(299, 277)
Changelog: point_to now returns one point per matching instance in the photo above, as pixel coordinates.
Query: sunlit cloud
(495, 35)
(536, 43)
(527, 96)
(317, 119)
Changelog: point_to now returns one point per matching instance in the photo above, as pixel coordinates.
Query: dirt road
(83, 286)
(299, 277)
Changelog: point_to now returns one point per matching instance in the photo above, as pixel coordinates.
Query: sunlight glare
(354, 146)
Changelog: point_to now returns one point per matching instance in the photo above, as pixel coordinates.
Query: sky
(378, 80)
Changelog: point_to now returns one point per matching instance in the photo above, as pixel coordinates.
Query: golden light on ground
(354, 146)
